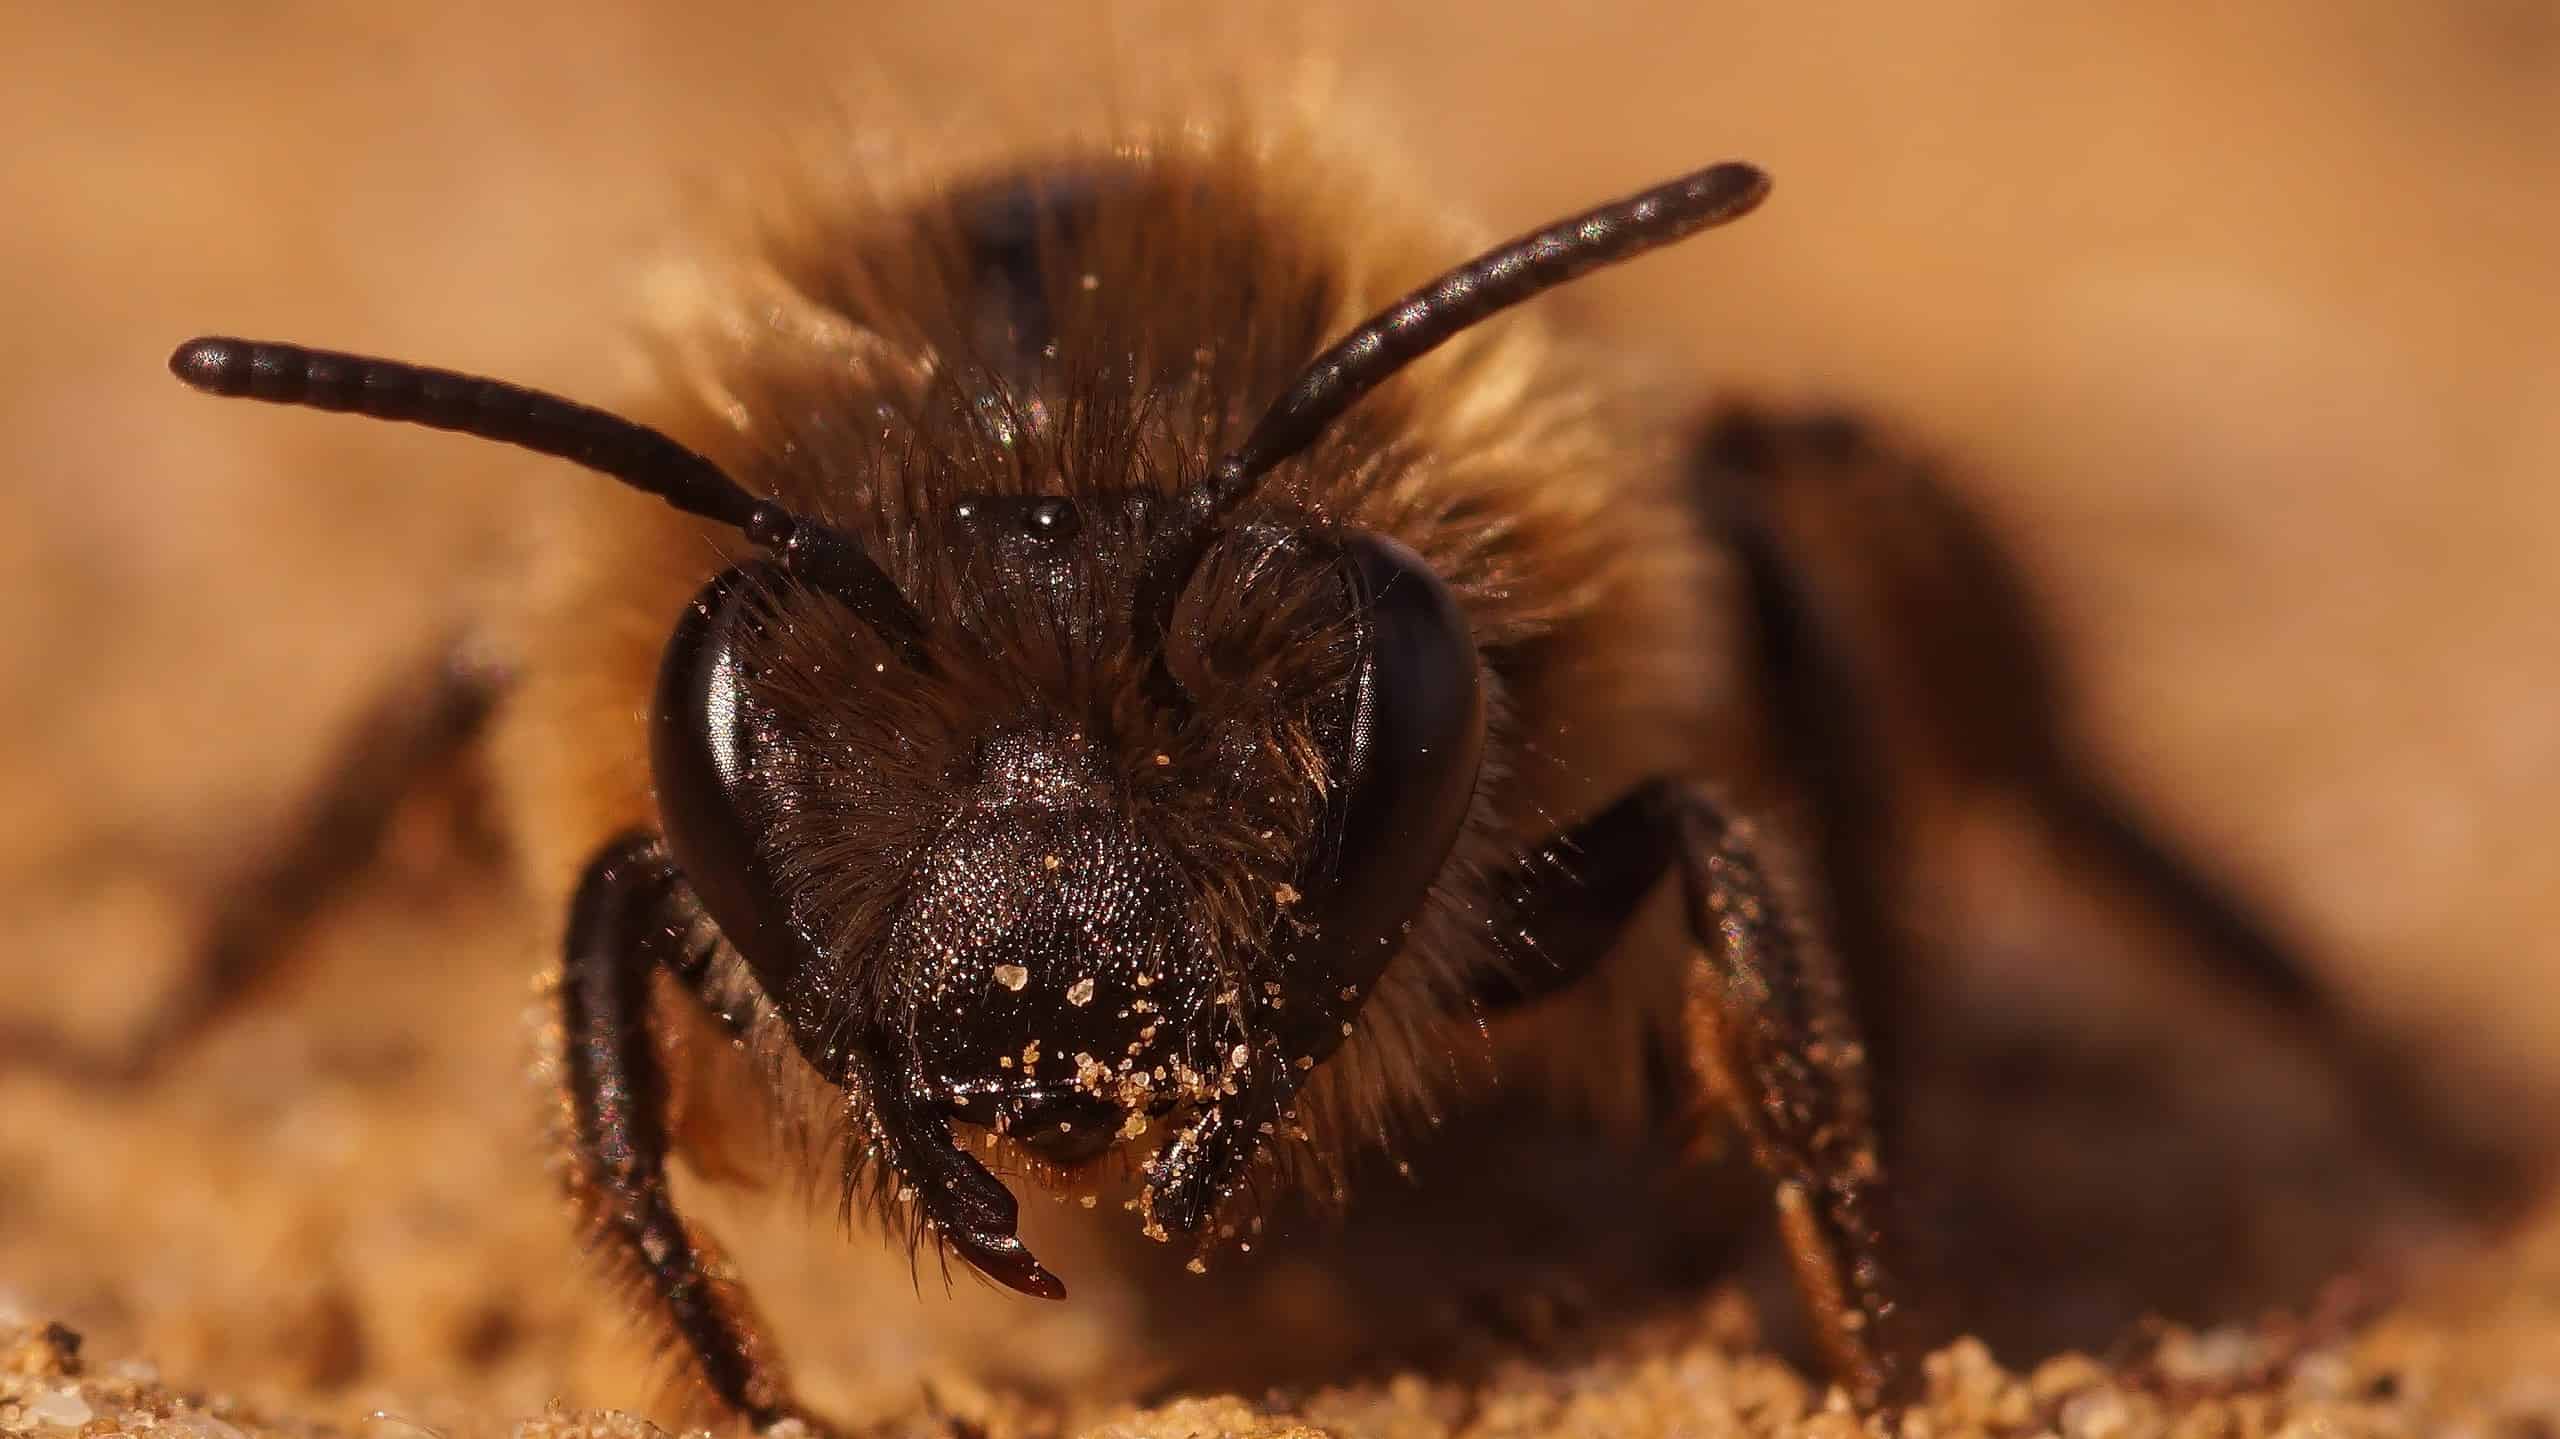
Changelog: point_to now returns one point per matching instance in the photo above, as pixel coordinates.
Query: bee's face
(1049, 977)
(1109, 854)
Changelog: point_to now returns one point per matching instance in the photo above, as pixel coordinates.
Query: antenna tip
(1733, 189)
(213, 364)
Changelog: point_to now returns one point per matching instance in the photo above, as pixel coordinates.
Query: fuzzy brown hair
(856, 366)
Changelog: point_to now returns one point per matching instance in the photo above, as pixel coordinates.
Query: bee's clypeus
(1096, 690)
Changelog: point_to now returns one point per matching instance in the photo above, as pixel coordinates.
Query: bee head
(1108, 857)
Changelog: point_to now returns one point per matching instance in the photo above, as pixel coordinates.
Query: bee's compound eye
(708, 735)
(1408, 768)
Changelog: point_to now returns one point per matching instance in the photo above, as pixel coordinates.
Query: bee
(1122, 673)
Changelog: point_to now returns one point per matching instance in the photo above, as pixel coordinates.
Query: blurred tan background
(2245, 327)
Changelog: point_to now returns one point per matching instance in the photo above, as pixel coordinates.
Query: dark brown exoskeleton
(1052, 749)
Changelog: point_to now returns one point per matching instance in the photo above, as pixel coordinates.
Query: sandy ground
(2242, 328)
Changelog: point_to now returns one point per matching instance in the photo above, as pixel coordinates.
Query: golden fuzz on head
(845, 356)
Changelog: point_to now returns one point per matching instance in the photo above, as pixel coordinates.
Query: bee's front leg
(631, 917)
(1771, 1033)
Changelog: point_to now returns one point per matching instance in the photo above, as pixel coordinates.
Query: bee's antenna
(1482, 287)
(491, 409)
(628, 451)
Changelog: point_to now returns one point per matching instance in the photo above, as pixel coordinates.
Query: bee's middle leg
(414, 731)
(1897, 640)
